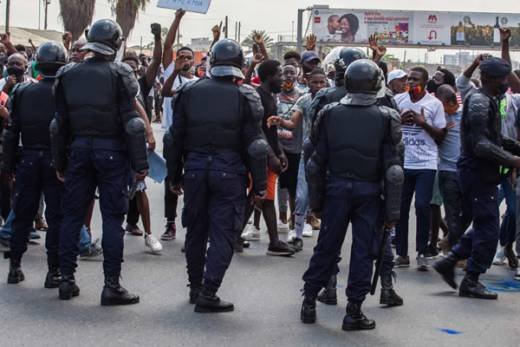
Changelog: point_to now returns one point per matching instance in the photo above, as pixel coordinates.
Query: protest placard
(199, 6)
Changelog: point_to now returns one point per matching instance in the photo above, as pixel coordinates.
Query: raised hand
(310, 42)
(505, 34)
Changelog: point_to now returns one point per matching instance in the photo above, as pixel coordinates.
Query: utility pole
(7, 14)
(47, 3)
(239, 31)
(39, 14)
(226, 31)
(236, 31)
(299, 34)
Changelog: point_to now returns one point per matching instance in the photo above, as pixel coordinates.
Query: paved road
(266, 293)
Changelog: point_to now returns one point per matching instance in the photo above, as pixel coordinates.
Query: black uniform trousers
(479, 201)
(103, 163)
(36, 175)
(214, 208)
(347, 201)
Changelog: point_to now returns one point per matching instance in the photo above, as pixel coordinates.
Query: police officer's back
(32, 110)
(356, 151)
(97, 137)
(484, 151)
(215, 138)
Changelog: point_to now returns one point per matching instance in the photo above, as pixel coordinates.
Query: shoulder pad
(478, 102)
(127, 76)
(394, 120)
(187, 86)
(327, 108)
(315, 130)
(64, 69)
(17, 92)
(254, 101)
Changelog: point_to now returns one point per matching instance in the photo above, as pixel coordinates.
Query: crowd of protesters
(431, 108)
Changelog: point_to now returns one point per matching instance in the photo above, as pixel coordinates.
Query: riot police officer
(334, 94)
(345, 175)
(32, 110)
(484, 150)
(215, 129)
(347, 56)
(97, 135)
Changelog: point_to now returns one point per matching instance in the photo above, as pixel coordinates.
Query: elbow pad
(316, 181)
(394, 179)
(136, 142)
(58, 145)
(257, 162)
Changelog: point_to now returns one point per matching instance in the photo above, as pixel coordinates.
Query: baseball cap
(395, 75)
(309, 56)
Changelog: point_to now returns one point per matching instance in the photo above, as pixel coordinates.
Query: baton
(379, 261)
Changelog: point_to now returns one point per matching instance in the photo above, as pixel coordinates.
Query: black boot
(446, 267)
(68, 287)
(355, 319)
(114, 294)
(15, 272)
(53, 278)
(194, 292)
(471, 287)
(328, 295)
(388, 295)
(209, 302)
(308, 312)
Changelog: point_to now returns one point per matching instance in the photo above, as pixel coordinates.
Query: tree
(268, 41)
(127, 12)
(77, 15)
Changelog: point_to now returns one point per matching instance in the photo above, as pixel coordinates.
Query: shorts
(289, 178)
(271, 185)
(135, 186)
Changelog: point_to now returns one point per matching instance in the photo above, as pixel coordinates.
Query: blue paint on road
(504, 285)
(450, 331)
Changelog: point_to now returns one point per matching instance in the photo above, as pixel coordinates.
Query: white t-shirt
(420, 150)
(167, 102)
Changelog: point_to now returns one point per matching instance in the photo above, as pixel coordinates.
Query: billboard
(430, 28)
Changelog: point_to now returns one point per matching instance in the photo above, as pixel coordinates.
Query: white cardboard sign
(199, 6)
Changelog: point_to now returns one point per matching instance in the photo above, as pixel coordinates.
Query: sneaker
(92, 251)
(133, 229)
(151, 242)
(431, 252)
(40, 224)
(291, 236)
(444, 245)
(517, 275)
(401, 262)
(422, 263)
(307, 231)
(500, 256)
(314, 222)
(297, 244)
(511, 256)
(251, 233)
(283, 228)
(280, 248)
(170, 232)
(34, 235)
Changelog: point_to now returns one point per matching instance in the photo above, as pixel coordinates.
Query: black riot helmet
(346, 57)
(50, 57)
(104, 37)
(227, 59)
(363, 76)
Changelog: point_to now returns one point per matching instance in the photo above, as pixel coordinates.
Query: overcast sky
(275, 16)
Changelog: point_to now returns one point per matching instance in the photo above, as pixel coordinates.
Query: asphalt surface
(267, 298)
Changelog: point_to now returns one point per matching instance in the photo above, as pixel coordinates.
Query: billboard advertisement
(430, 28)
